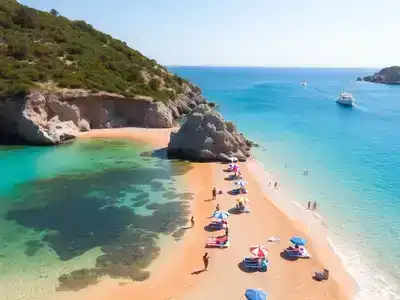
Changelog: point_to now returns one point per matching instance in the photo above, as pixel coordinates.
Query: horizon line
(274, 66)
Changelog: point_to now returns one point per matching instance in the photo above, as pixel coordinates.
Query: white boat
(304, 83)
(346, 99)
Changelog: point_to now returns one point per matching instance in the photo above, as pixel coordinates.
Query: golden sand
(175, 274)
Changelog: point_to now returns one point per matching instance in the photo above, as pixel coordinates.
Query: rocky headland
(390, 75)
(206, 136)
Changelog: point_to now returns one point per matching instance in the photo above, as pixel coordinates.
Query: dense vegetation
(38, 47)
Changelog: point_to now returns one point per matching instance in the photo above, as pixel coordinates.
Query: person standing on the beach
(275, 184)
(226, 231)
(315, 206)
(205, 260)
(192, 221)
(214, 194)
(309, 205)
(217, 207)
(269, 183)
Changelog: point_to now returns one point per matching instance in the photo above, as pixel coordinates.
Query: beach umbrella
(259, 251)
(299, 241)
(221, 215)
(255, 294)
(241, 183)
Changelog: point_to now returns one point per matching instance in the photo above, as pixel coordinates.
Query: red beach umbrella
(259, 251)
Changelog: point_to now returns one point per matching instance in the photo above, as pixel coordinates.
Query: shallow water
(72, 214)
(352, 154)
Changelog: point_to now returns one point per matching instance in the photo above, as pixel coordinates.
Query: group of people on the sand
(312, 206)
(275, 185)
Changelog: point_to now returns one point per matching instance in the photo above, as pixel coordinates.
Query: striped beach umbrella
(221, 215)
(259, 251)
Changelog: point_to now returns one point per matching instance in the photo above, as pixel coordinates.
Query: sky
(354, 33)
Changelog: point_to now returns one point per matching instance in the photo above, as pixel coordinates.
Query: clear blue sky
(247, 32)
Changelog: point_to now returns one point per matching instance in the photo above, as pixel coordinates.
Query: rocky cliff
(50, 117)
(390, 75)
(206, 136)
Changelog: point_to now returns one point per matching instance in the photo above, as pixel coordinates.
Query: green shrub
(25, 17)
(17, 89)
(18, 50)
(154, 84)
(71, 83)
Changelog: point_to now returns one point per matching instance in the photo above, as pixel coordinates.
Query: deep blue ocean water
(352, 154)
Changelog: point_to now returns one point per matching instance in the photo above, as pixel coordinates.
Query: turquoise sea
(352, 154)
(72, 214)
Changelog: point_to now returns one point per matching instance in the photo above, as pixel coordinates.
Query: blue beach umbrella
(255, 294)
(298, 241)
(221, 215)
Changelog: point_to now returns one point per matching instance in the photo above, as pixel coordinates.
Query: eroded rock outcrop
(51, 117)
(206, 136)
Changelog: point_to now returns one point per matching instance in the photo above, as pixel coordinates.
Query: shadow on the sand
(227, 170)
(230, 178)
(208, 228)
(198, 272)
(208, 200)
(286, 257)
(243, 268)
(234, 192)
(316, 278)
(234, 211)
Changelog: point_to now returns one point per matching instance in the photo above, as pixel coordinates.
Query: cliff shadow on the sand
(109, 209)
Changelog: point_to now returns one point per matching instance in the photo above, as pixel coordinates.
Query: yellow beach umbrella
(242, 199)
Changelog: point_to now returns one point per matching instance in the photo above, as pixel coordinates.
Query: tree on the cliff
(54, 12)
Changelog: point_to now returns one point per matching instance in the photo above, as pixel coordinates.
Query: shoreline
(280, 281)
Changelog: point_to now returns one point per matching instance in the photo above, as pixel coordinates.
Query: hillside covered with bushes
(44, 47)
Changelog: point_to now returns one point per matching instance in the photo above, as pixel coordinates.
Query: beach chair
(302, 253)
(255, 263)
(241, 210)
(216, 225)
(222, 242)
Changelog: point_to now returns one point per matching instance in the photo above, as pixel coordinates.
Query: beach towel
(274, 239)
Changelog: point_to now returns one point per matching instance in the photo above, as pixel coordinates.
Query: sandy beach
(177, 274)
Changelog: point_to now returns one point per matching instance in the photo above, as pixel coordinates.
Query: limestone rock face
(48, 118)
(206, 136)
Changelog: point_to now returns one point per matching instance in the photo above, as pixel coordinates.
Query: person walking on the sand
(192, 221)
(309, 205)
(214, 194)
(206, 259)
(315, 206)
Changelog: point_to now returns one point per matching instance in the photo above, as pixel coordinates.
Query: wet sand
(176, 274)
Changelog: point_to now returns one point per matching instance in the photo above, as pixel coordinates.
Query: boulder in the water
(206, 136)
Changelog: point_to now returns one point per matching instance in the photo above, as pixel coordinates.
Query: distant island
(390, 75)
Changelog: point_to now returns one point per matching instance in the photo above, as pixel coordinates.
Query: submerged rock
(206, 136)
